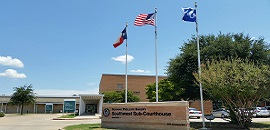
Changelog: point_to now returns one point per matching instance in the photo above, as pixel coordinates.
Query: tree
(119, 97)
(166, 91)
(181, 68)
(239, 84)
(23, 95)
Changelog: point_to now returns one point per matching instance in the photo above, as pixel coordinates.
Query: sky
(62, 47)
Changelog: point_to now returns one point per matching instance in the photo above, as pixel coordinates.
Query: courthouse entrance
(90, 104)
(91, 109)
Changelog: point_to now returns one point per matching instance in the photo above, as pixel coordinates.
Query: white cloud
(9, 61)
(10, 73)
(140, 71)
(65, 92)
(123, 58)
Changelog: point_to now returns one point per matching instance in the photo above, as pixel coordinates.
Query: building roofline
(91, 95)
(56, 96)
(61, 96)
(134, 75)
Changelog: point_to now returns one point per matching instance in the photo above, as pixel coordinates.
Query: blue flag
(189, 14)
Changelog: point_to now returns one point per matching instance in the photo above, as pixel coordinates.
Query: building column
(82, 106)
(100, 105)
(18, 108)
(6, 107)
(34, 108)
(2, 106)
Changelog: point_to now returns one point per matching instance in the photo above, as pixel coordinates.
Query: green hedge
(2, 114)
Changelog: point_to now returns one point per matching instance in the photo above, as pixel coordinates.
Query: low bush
(2, 114)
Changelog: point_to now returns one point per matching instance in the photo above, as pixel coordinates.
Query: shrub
(2, 114)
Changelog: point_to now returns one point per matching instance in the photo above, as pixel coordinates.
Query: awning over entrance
(90, 104)
(91, 97)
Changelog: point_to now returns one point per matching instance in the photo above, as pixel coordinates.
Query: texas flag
(120, 39)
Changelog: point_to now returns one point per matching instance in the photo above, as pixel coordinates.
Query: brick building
(85, 104)
(92, 103)
(135, 83)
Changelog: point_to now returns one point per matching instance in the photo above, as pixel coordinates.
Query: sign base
(146, 115)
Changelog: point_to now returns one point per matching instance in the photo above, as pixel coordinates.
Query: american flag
(144, 19)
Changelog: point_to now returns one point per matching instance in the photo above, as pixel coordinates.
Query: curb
(74, 118)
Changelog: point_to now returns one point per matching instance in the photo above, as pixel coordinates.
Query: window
(119, 87)
(136, 92)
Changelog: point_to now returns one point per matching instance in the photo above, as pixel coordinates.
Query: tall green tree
(166, 91)
(221, 47)
(119, 97)
(238, 84)
(23, 95)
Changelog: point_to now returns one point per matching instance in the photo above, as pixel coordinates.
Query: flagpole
(199, 68)
(156, 54)
(126, 67)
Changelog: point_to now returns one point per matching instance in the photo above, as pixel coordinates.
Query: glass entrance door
(91, 109)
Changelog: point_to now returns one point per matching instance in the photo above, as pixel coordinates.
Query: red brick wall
(136, 83)
(208, 108)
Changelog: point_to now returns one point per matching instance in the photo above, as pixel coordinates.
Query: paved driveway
(39, 122)
(227, 120)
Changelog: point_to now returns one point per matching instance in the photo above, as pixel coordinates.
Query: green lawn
(193, 125)
(84, 127)
(265, 125)
(228, 126)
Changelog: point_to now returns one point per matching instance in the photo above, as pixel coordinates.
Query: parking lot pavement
(215, 120)
(263, 119)
(39, 122)
(227, 120)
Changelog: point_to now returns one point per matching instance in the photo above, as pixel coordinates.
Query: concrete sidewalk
(82, 117)
(41, 122)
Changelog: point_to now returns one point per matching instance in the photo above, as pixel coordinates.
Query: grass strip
(193, 126)
(68, 116)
